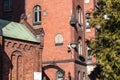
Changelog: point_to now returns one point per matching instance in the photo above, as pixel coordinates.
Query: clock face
(58, 39)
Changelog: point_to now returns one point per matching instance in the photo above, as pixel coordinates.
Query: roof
(17, 31)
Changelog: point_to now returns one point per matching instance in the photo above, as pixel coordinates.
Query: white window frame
(59, 39)
(60, 77)
(37, 15)
(79, 46)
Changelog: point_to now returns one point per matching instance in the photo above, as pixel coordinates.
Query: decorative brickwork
(20, 59)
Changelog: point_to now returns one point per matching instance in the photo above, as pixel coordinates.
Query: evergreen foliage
(106, 46)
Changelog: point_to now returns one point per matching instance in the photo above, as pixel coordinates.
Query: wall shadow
(14, 14)
(5, 65)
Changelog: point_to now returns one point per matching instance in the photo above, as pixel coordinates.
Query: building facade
(90, 34)
(65, 55)
(20, 52)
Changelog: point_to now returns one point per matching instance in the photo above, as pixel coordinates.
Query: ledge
(64, 61)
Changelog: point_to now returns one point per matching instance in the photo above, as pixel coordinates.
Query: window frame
(89, 53)
(79, 46)
(57, 77)
(59, 39)
(79, 15)
(37, 15)
(7, 5)
(87, 20)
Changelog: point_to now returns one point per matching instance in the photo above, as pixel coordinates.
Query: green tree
(106, 46)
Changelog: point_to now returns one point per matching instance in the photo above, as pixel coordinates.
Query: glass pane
(87, 24)
(35, 8)
(59, 75)
(35, 16)
(7, 4)
(10, 3)
(79, 16)
(38, 8)
(40, 16)
(79, 47)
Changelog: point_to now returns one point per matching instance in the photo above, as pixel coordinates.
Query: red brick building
(64, 24)
(20, 53)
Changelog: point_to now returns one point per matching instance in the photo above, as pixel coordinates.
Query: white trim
(86, 1)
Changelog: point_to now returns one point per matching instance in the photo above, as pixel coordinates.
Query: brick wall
(56, 15)
(20, 60)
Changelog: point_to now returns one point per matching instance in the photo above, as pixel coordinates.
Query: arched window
(87, 20)
(60, 75)
(79, 46)
(59, 39)
(7, 5)
(79, 15)
(37, 15)
(89, 52)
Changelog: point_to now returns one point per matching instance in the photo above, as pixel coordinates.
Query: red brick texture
(20, 60)
(56, 15)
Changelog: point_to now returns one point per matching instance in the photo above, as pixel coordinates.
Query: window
(59, 39)
(83, 77)
(79, 46)
(37, 15)
(87, 20)
(60, 75)
(89, 53)
(79, 15)
(7, 5)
